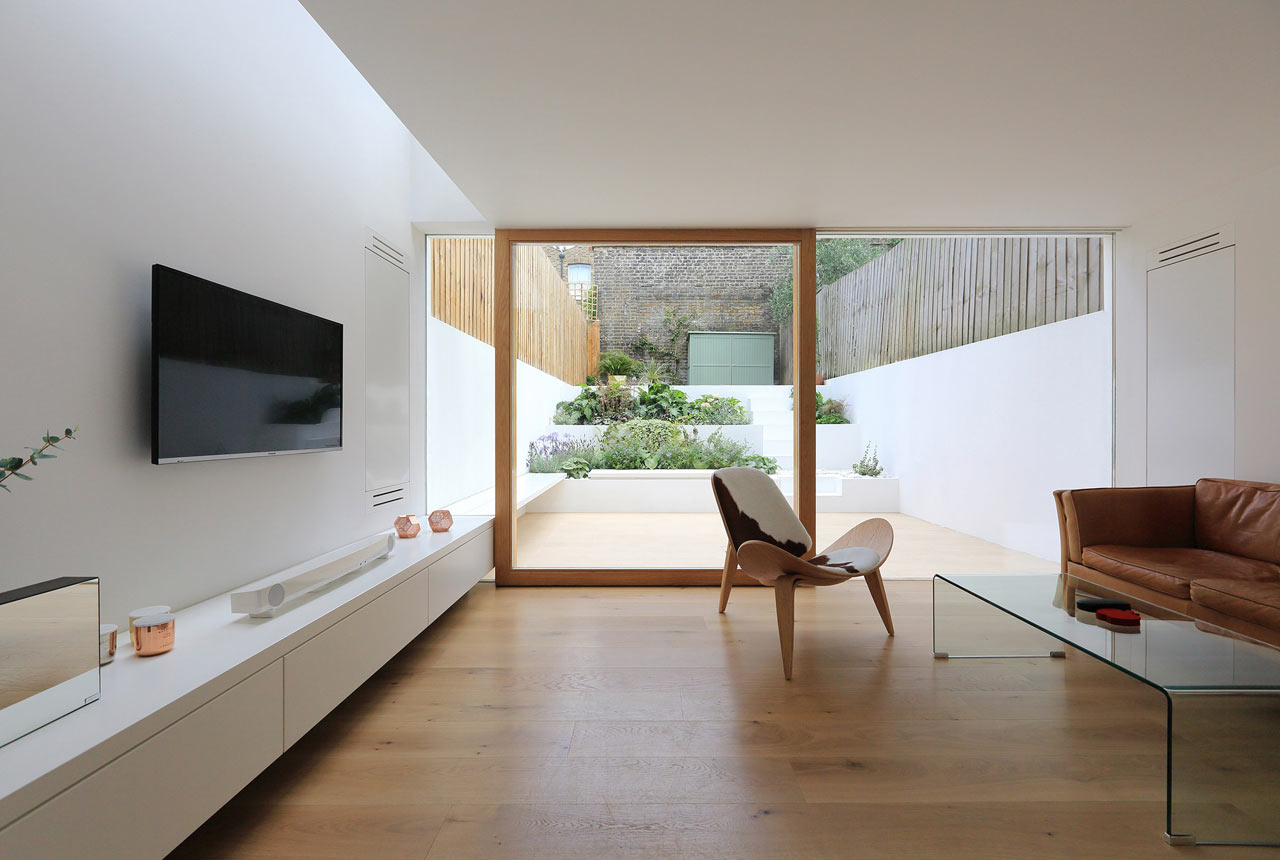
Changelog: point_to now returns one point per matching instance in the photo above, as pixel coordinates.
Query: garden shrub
(710, 409)
(869, 466)
(830, 411)
(662, 402)
(614, 402)
(617, 363)
(642, 444)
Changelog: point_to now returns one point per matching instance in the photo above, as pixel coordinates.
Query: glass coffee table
(1222, 744)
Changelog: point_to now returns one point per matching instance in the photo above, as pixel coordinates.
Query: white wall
(1253, 206)
(460, 412)
(981, 435)
(229, 139)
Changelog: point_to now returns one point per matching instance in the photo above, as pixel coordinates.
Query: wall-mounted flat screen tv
(234, 375)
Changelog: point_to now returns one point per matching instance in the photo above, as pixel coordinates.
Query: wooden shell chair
(768, 541)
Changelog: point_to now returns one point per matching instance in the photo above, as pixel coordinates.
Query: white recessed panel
(1191, 370)
(386, 387)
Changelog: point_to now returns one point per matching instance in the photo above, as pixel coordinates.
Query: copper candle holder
(153, 635)
(407, 526)
(440, 521)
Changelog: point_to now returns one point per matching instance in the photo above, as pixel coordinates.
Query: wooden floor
(638, 723)
(921, 548)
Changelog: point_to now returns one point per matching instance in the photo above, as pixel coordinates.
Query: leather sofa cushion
(1169, 570)
(1258, 602)
(1238, 517)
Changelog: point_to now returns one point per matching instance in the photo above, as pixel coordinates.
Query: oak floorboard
(639, 723)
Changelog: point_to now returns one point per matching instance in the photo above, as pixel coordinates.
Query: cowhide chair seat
(768, 541)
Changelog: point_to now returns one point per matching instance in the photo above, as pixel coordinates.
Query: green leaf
(52, 440)
(6, 489)
(68, 432)
(41, 455)
(20, 475)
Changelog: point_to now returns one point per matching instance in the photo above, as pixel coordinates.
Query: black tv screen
(234, 375)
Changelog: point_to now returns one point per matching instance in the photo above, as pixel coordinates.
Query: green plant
(576, 467)
(616, 403)
(616, 363)
(675, 327)
(583, 409)
(11, 467)
(662, 402)
(710, 409)
(642, 444)
(829, 410)
(768, 465)
(869, 466)
(654, 371)
(837, 257)
(553, 452)
(647, 432)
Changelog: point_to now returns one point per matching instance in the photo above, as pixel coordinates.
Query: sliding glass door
(629, 366)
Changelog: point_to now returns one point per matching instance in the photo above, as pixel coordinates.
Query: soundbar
(265, 600)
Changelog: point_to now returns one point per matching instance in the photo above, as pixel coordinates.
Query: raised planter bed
(689, 491)
(749, 434)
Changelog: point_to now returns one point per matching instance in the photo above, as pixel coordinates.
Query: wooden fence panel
(552, 332)
(931, 294)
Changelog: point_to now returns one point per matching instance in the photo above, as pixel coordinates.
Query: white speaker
(265, 600)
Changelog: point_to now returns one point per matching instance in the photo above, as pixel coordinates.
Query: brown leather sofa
(1210, 551)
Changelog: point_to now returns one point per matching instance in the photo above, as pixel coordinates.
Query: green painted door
(731, 358)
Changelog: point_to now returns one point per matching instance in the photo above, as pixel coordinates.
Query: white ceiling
(894, 113)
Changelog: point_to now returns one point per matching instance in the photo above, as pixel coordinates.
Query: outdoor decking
(630, 540)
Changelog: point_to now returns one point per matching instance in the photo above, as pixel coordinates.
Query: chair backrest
(754, 508)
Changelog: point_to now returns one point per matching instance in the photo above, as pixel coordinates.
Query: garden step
(771, 416)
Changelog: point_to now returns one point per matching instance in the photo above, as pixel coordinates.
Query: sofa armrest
(1129, 516)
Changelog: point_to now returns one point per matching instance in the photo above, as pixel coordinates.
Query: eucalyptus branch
(10, 467)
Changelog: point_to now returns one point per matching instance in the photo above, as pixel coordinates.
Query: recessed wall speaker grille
(386, 250)
(1191, 246)
(386, 497)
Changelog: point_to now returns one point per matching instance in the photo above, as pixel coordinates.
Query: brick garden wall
(721, 288)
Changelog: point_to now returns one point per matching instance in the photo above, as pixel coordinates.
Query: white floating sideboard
(174, 737)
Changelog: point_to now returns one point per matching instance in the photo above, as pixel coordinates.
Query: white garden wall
(460, 412)
(980, 435)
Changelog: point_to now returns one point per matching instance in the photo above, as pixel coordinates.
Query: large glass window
(626, 405)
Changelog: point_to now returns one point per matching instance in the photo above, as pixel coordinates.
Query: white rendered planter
(751, 435)
(689, 491)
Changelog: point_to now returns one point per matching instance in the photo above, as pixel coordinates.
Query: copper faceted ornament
(407, 526)
(441, 521)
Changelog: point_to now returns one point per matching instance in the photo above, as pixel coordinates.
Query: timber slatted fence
(930, 294)
(552, 333)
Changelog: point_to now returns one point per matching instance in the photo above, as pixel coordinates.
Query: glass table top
(1168, 650)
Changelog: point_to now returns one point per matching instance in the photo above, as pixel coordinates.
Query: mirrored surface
(48, 653)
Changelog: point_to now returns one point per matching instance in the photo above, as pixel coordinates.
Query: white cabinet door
(148, 800)
(327, 668)
(1191, 347)
(386, 385)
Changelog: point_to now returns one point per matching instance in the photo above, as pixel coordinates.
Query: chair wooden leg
(875, 584)
(730, 567)
(784, 595)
